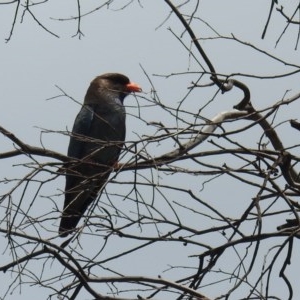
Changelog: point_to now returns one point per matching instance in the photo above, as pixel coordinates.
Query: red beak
(133, 87)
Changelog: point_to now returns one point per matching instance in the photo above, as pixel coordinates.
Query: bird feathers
(97, 138)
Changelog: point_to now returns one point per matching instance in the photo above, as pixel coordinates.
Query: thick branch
(27, 149)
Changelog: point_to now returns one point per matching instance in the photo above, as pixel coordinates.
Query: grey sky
(34, 62)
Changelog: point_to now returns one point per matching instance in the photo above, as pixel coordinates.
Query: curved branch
(288, 171)
(161, 281)
(27, 149)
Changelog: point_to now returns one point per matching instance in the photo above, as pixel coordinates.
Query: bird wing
(77, 149)
(81, 128)
(84, 179)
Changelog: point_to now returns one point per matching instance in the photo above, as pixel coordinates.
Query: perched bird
(97, 138)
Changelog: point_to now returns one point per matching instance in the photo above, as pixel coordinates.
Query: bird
(96, 140)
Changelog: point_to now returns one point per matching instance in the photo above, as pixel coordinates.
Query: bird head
(110, 84)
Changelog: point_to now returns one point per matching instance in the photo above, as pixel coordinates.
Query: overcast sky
(35, 63)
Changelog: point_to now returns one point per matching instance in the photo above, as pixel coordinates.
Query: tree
(197, 207)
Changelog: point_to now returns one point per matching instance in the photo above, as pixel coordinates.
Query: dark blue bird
(97, 138)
